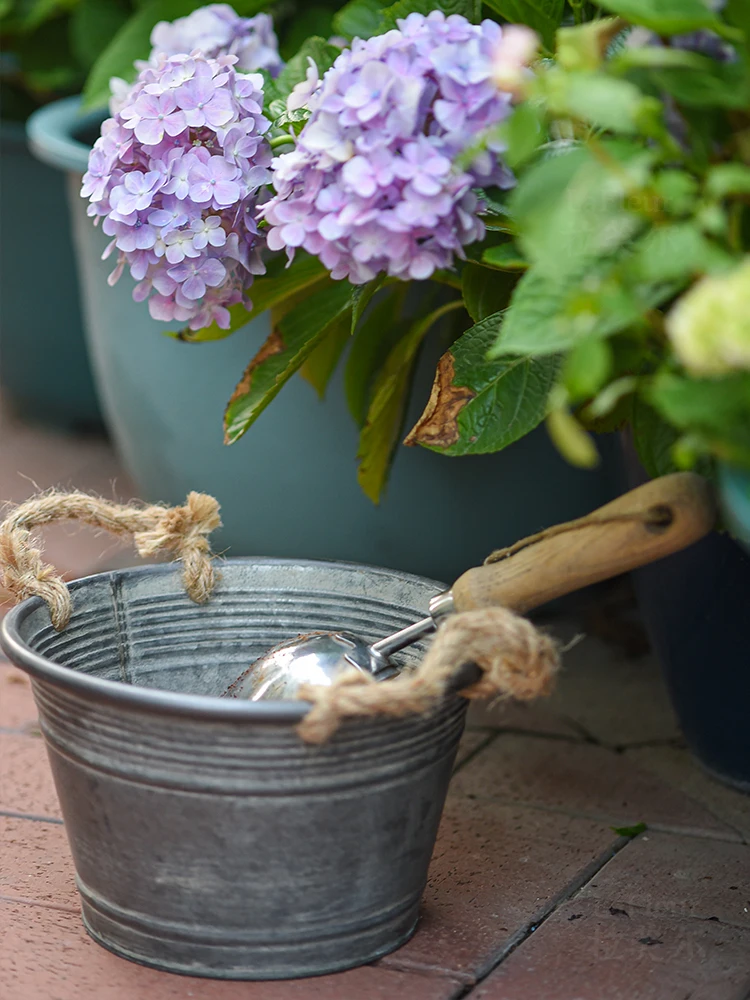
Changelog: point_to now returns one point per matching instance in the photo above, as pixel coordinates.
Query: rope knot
(516, 661)
(181, 530)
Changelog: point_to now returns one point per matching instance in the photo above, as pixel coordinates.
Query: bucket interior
(138, 626)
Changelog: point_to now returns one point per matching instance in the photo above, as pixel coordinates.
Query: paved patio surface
(532, 894)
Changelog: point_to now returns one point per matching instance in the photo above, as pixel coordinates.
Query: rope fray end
(516, 660)
(180, 530)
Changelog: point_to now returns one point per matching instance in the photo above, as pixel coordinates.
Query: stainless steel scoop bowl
(645, 524)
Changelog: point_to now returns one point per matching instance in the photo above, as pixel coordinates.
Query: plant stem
(281, 140)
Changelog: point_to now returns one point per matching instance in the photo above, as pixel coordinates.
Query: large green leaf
(93, 24)
(385, 417)
(480, 406)
(359, 19)
(470, 9)
(665, 17)
(676, 252)
(321, 364)
(285, 351)
(280, 282)
(718, 407)
(379, 332)
(132, 42)
(603, 101)
(544, 16)
(571, 210)
(362, 297)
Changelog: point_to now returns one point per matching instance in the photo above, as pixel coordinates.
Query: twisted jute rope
(182, 531)
(515, 659)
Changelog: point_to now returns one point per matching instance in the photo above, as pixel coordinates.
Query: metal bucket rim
(149, 699)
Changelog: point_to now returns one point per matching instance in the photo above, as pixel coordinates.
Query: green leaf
(629, 831)
(653, 438)
(506, 257)
(544, 16)
(321, 364)
(717, 85)
(309, 21)
(385, 417)
(299, 333)
(479, 406)
(469, 9)
(677, 190)
(484, 293)
(547, 315)
(601, 100)
(522, 134)
(571, 440)
(362, 296)
(665, 17)
(322, 54)
(726, 179)
(587, 367)
(571, 210)
(358, 19)
(375, 338)
(132, 42)
(305, 272)
(720, 406)
(737, 13)
(93, 24)
(677, 252)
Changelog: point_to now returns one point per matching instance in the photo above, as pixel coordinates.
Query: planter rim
(734, 485)
(51, 134)
(139, 698)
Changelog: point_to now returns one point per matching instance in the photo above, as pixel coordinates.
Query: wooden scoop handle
(650, 522)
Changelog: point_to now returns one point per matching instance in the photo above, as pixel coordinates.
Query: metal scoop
(647, 523)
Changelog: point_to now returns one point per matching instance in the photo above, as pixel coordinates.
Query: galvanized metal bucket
(207, 837)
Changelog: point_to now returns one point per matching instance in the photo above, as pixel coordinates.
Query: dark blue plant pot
(44, 365)
(695, 607)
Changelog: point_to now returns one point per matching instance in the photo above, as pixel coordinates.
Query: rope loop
(180, 530)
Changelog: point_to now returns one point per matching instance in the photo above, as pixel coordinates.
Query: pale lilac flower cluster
(176, 175)
(217, 30)
(372, 184)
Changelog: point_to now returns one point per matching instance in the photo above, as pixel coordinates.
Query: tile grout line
(607, 820)
(10, 814)
(23, 901)
(568, 893)
(492, 735)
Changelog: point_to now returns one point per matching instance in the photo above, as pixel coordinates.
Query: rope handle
(155, 528)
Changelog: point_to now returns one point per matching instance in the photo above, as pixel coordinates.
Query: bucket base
(228, 962)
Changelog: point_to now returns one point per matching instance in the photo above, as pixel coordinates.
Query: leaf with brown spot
(273, 345)
(438, 425)
(385, 416)
(479, 406)
(285, 351)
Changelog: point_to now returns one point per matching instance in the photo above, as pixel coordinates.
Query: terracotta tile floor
(532, 895)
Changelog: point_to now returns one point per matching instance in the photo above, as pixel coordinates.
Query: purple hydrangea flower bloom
(176, 176)
(372, 184)
(216, 29)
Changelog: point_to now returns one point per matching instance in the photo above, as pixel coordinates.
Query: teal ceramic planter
(44, 367)
(289, 487)
(734, 487)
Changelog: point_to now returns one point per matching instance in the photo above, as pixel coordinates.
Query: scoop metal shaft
(319, 657)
